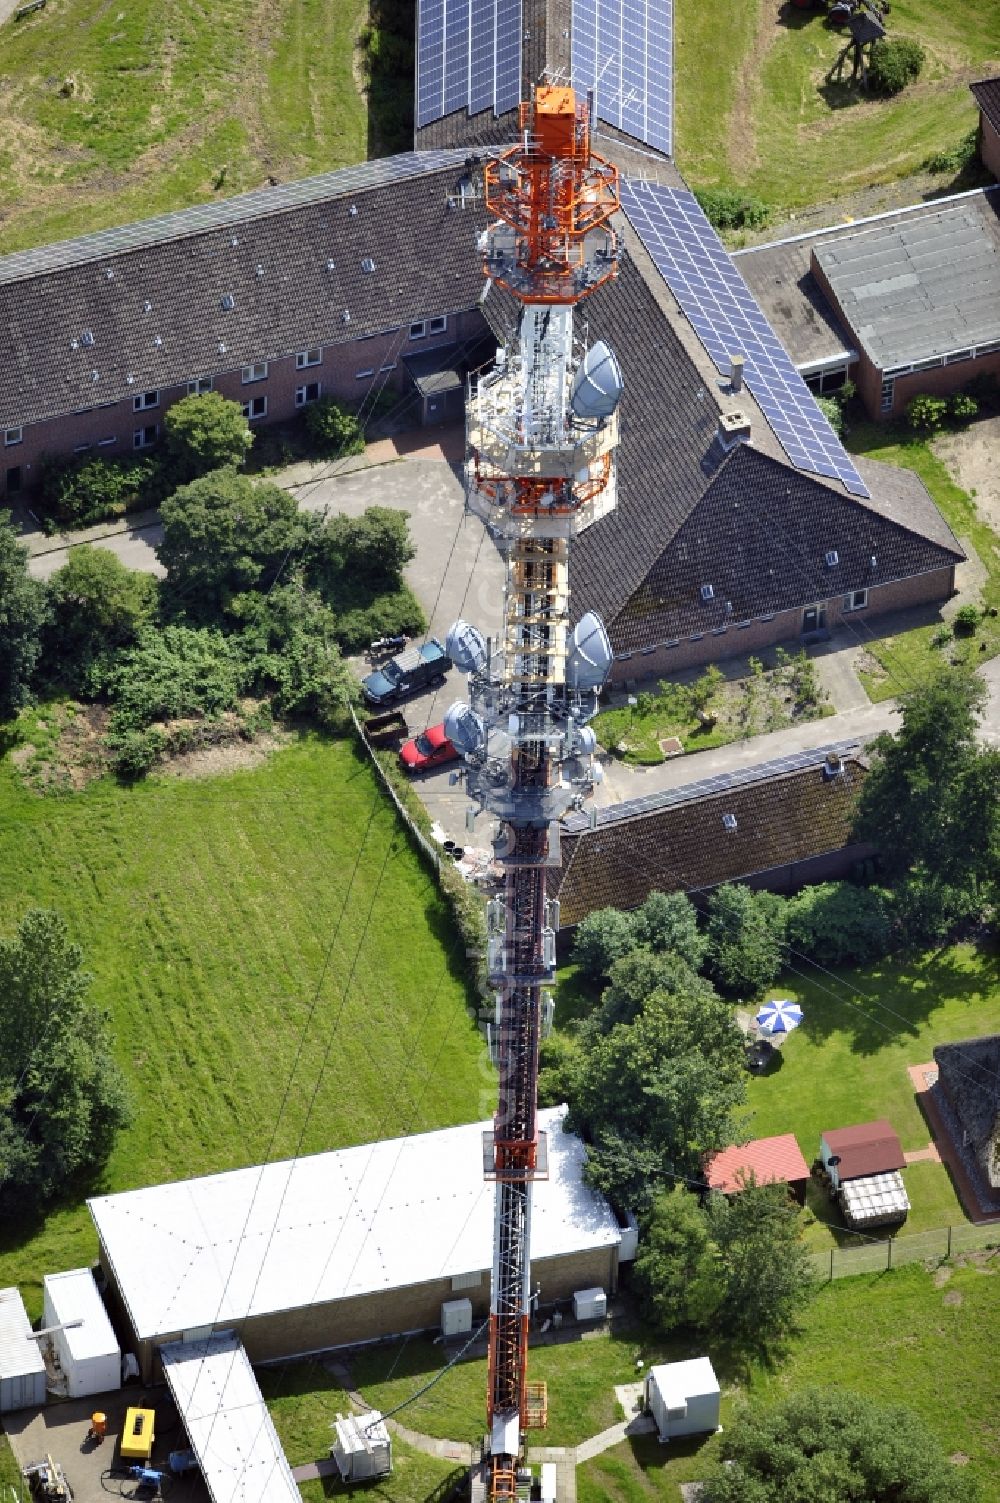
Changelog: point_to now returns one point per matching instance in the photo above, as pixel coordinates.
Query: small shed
(87, 1349)
(857, 1152)
(683, 1398)
(775, 1160)
(22, 1371)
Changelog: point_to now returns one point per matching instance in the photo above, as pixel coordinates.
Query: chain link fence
(430, 850)
(916, 1247)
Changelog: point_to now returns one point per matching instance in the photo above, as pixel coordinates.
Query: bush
(966, 620)
(833, 412)
(729, 209)
(332, 429)
(205, 433)
(746, 938)
(955, 159)
(895, 62)
(98, 606)
(602, 938)
(24, 611)
(926, 414)
(962, 408)
(836, 924)
(176, 672)
(79, 492)
(394, 614)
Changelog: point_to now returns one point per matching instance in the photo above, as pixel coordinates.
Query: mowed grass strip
(115, 113)
(753, 109)
(910, 1337)
(212, 913)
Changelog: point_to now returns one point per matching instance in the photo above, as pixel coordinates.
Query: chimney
(735, 373)
(734, 428)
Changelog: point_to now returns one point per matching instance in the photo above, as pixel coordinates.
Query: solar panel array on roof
(468, 57)
(721, 782)
(622, 50)
(727, 319)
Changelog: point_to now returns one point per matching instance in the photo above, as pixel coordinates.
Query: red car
(430, 749)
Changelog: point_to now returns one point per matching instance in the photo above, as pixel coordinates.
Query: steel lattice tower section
(542, 430)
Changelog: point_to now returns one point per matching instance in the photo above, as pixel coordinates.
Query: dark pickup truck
(407, 673)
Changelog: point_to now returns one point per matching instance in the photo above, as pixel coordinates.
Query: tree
(678, 1272)
(765, 1264)
(746, 938)
(23, 613)
(641, 974)
(931, 802)
(98, 606)
(204, 433)
(835, 923)
(63, 1097)
(668, 922)
(348, 558)
(833, 1446)
(603, 937)
(652, 1096)
(223, 534)
(289, 640)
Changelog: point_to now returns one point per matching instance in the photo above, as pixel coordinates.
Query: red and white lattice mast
(542, 430)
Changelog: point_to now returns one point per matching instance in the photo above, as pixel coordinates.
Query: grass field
(904, 1337)
(753, 109)
(212, 913)
(902, 660)
(114, 112)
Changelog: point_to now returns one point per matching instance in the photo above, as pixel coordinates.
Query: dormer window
(707, 593)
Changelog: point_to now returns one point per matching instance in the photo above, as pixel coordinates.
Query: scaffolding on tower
(542, 429)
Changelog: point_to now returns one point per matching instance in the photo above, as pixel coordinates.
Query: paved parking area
(96, 1472)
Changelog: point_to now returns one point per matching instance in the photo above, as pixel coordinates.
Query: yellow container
(137, 1434)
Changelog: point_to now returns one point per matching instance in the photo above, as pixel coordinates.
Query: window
(13, 436)
(309, 393)
(255, 408)
(832, 558)
(227, 302)
(368, 265)
(14, 479)
(438, 325)
(707, 593)
(888, 393)
(419, 329)
(305, 358)
(251, 373)
(856, 600)
(145, 400)
(82, 448)
(199, 387)
(144, 438)
(363, 375)
(385, 370)
(105, 443)
(730, 822)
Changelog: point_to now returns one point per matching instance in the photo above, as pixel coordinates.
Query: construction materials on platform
(361, 1447)
(22, 1370)
(47, 1481)
(83, 1343)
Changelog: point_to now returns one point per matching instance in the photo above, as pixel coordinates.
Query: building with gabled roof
(861, 1151)
(986, 93)
(969, 1077)
(776, 1160)
(779, 825)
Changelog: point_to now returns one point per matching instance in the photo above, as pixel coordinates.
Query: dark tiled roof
(868, 1148)
(673, 842)
(987, 95)
(969, 1071)
(269, 249)
(759, 536)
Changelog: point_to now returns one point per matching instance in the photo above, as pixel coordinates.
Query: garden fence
(430, 850)
(919, 1247)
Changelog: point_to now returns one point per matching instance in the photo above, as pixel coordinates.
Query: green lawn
(903, 660)
(113, 113)
(207, 911)
(792, 139)
(905, 1336)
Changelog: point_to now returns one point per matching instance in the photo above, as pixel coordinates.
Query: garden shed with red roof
(770, 1161)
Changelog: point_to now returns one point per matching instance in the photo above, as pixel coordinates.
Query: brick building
(343, 1247)
(777, 825)
(987, 95)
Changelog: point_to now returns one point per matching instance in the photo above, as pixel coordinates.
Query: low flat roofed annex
(381, 1216)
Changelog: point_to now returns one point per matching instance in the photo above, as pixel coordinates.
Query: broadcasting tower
(542, 430)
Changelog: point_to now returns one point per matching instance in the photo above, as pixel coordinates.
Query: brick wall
(340, 375)
(784, 626)
(311, 1328)
(989, 146)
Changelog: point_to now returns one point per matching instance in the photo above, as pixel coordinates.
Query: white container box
(88, 1352)
(590, 1304)
(456, 1317)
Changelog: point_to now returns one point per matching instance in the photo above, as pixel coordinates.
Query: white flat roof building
(358, 1224)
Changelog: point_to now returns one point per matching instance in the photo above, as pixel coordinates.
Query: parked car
(407, 673)
(430, 749)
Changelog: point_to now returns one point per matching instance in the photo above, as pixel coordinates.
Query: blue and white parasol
(780, 1016)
